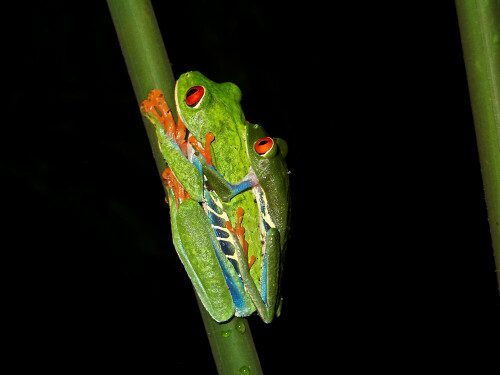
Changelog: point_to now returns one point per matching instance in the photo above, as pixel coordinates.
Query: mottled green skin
(220, 112)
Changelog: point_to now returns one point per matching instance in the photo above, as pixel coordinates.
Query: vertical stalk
(479, 23)
(145, 56)
(232, 344)
(149, 68)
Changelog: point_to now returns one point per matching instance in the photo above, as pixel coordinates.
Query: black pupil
(262, 142)
(191, 92)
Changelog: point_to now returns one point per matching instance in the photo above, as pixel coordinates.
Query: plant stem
(479, 23)
(145, 56)
(149, 68)
(232, 345)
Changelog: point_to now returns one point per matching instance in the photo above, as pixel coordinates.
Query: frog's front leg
(172, 144)
(224, 189)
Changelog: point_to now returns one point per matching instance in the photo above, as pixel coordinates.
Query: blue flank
(263, 280)
(238, 300)
(217, 221)
(227, 249)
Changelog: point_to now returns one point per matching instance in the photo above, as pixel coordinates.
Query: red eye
(263, 145)
(194, 95)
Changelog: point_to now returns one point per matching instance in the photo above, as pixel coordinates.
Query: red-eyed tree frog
(228, 190)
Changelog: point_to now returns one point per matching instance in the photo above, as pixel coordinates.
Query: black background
(390, 264)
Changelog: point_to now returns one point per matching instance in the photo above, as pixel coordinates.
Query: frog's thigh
(198, 240)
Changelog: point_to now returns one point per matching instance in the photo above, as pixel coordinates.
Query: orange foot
(206, 152)
(240, 234)
(180, 193)
(157, 106)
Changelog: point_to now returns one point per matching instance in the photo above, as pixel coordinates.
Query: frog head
(206, 106)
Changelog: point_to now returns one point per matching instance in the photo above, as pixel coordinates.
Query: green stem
(479, 23)
(145, 56)
(232, 344)
(149, 68)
